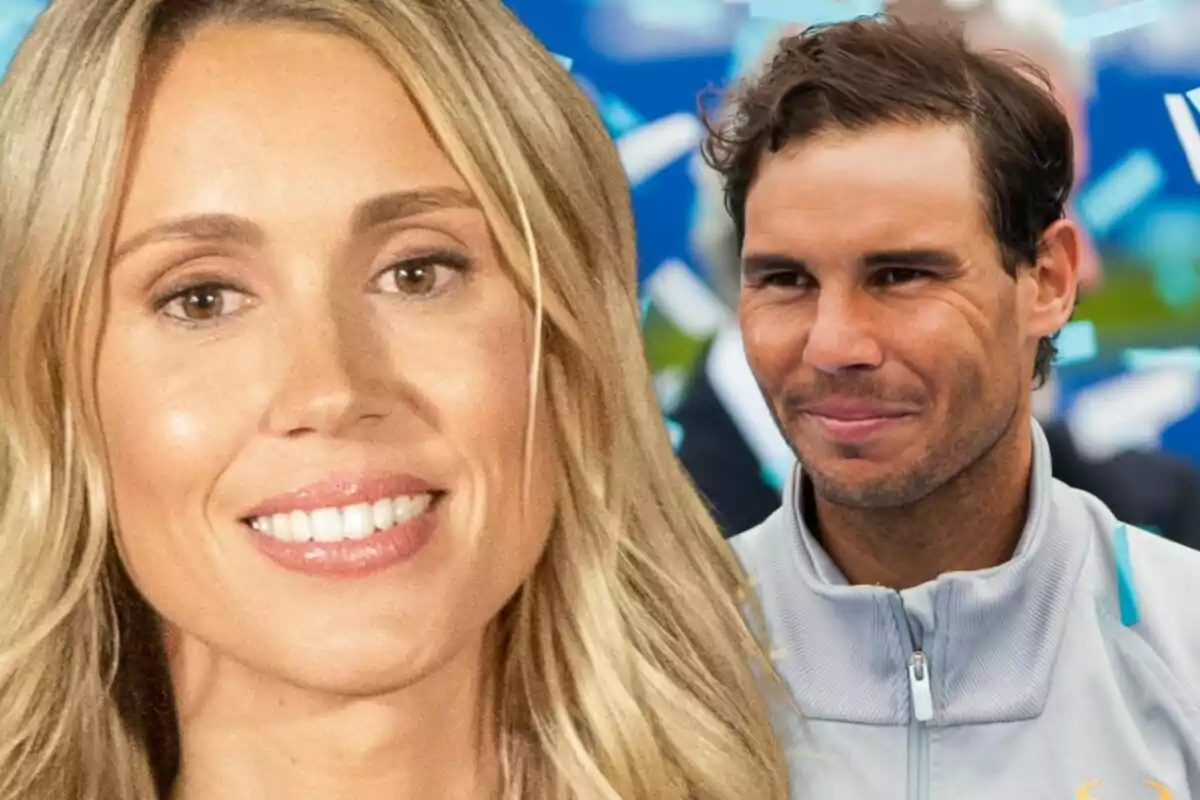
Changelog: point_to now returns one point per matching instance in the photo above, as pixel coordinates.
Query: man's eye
(898, 275)
(782, 279)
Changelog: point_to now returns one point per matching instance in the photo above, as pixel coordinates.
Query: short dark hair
(878, 70)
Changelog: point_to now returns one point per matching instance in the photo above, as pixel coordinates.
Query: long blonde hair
(625, 670)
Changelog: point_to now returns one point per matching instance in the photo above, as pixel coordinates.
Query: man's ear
(1055, 278)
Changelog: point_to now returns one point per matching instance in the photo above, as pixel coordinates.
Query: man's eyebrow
(758, 263)
(233, 229)
(916, 257)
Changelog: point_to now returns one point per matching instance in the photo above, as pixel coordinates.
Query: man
(951, 621)
(732, 448)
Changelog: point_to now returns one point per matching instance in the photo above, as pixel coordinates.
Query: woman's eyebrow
(230, 228)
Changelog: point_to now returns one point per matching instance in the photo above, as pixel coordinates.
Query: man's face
(890, 343)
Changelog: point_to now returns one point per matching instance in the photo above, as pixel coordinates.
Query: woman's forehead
(277, 121)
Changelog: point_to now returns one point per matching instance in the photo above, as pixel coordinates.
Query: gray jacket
(1071, 672)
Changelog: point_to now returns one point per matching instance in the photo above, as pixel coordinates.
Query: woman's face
(313, 376)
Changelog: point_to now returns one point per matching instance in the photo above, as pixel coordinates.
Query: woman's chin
(362, 674)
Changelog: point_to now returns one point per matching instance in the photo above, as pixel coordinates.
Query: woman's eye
(422, 277)
(203, 303)
(415, 278)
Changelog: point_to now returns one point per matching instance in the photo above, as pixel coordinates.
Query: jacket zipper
(922, 711)
(918, 732)
(918, 682)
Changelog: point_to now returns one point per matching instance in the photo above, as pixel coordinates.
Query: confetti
(676, 432)
(618, 115)
(1165, 239)
(1176, 282)
(681, 296)
(1121, 190)
(1131, 411)
(647, 150)
(1143, 359)
(1089, 27)
(16, 21)
(686, 15)
(776, 474)
(1186, 129)
(750, 44)
(671, 386)
(1076, 343)
(814, 12)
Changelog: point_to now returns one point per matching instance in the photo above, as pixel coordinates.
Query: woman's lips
(355, 556)
(346, 525)
(342, 490)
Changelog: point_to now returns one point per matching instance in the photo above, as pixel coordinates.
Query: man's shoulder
(1145, 586)
(1164, 577)
(1170, 560)
(763, 544)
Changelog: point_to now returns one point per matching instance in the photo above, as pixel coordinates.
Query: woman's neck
(244, 734)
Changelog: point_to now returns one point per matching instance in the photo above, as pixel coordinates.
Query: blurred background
(1129, 372)
(645, 60)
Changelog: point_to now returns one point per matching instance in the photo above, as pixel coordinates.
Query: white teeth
(357, 522)
(406, 508)
(301, 525)
(326, 525)
(382, 515)
(400, 508)
(338, 524)
(281, 527)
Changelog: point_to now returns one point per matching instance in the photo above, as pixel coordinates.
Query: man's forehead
(883, 167)
(839, 146)
(849, 192)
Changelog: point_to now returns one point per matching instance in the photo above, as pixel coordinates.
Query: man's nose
(843, 334)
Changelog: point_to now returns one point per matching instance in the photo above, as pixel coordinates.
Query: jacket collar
(991, 637)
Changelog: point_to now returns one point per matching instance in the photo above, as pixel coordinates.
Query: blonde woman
(329, 465)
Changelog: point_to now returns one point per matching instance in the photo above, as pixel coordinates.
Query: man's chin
(864, 486)
(853, 465)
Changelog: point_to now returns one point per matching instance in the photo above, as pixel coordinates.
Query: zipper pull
(918, 681)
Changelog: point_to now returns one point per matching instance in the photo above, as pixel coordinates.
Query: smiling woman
(328, 464)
